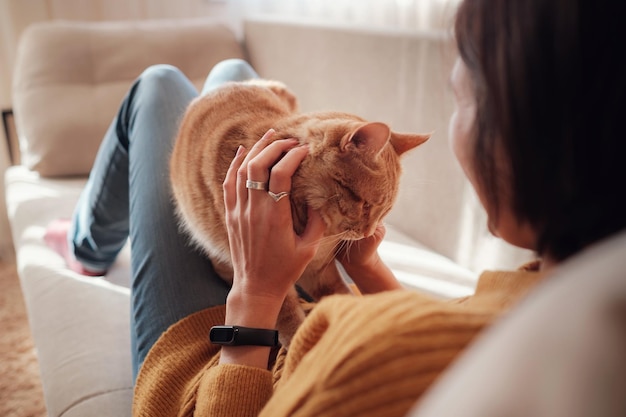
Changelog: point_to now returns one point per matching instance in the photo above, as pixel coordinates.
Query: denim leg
(171, 279)
(99, 227)
(100, 224)
(128, 194)
(228, 70)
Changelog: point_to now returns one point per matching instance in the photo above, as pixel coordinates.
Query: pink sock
(56, 238)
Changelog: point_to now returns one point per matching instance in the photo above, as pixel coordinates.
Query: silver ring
(278, 196)
(256, 185)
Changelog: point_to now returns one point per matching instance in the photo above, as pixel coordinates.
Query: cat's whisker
(333, 243)
(343, 245)
(328, 240)
(347, 246)
(336, 238)
(340, 246)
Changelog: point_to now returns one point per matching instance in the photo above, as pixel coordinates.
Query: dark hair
(549, 77)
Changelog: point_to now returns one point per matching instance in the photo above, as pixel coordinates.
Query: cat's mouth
(346, 230)
(360, 231)
(344, 233)
(353, 236)
(348, 233)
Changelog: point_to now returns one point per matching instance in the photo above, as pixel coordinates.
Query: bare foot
(56, 238)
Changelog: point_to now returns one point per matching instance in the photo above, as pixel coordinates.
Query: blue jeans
(128, 195)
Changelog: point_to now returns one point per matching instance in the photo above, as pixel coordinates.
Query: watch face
(222, 334)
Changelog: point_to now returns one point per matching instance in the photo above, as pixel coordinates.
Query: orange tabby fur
(350, 176)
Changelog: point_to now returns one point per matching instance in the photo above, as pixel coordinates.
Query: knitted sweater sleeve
(367, 349)
(373, 356)
(181, 376)
(365, 356)
(233, 390)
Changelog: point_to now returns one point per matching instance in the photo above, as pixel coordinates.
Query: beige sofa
(69, 80)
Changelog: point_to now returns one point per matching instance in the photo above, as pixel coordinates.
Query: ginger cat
(350, 176)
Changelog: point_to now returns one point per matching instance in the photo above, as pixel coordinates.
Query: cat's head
(351, 174)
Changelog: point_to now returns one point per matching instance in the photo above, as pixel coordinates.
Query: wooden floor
(21, 394)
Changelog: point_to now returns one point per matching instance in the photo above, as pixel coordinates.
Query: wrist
(243, 336)
(373, 276)
(370, 265)
(252, 310)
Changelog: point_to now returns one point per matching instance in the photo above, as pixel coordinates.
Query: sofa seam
(89, 397)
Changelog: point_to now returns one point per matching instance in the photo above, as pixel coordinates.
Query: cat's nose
(370, 229)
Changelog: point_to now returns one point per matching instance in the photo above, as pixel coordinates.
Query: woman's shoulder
(373, 318)
(386, 297)
(382, 306)
(357, 321)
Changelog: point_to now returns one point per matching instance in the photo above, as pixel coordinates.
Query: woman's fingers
(265, 140)
(254, 165)
(230, 182)
(260, 225)
(242, 173)
(283, 170)
(269, 163)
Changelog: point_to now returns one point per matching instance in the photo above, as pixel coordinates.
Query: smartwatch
(243, 336)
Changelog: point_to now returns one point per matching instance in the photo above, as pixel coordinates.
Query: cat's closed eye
(348, 199)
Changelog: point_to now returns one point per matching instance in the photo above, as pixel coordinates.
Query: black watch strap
(243, 336)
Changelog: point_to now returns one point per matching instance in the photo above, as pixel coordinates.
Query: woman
(522, 131)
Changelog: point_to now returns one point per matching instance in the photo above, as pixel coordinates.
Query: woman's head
(544, 140)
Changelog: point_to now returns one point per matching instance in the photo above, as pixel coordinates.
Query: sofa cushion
(80, 325)
(420, 268)
(70, 78)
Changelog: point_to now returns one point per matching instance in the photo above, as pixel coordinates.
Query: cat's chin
(349, 235)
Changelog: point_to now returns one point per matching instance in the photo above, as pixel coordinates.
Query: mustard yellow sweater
(353, 356)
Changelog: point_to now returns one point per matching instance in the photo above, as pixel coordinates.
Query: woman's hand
(361, 261)
(362, 252)
(268, 256)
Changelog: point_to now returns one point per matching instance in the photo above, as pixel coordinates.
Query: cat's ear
(403, 142)
(369, 138)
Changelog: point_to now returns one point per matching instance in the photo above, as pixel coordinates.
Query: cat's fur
(350, 176)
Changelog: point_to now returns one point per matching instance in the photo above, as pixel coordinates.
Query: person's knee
(237, 69)
(163, 75)
(155, 103)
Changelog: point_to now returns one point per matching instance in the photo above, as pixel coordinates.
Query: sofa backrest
(70, 78)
